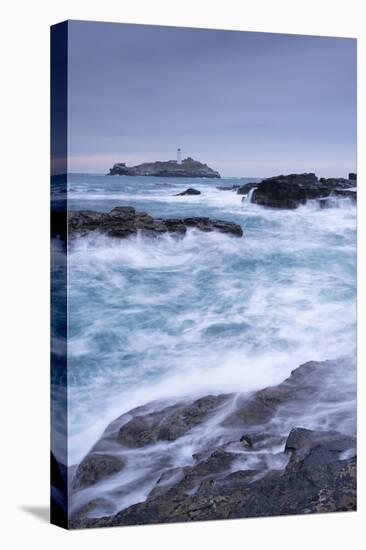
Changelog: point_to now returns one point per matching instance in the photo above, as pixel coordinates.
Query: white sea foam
(207, 313)
(167, 318)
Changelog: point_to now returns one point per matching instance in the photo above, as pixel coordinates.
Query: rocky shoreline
(188, 168)
(256, 467)
(124, 221)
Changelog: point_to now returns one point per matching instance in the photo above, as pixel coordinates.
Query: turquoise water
(208, 313)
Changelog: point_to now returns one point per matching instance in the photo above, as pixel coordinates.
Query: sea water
(207, 313)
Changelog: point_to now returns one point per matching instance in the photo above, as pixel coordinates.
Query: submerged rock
(189, 191)
(228, 187)
(189, 168)
(124, 221)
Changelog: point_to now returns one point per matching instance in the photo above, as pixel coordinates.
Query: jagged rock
(244, 189)
(295, 189)
(295, 472)
(189, 191)
(284, 191)
(261, 440)
(337, 183)
(303, 383)
(169, 423)
(188, 479)
(94, 467)
(316, 479)
(345, 193)
(331, 200)
(124, 221)
(189, 168)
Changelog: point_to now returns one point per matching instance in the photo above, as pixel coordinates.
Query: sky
(247, 104)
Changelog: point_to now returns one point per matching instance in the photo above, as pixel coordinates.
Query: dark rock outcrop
(169, 423)
(124, 221)
(284, 191)
(94, 467)
(189, 191)
(244, 189)
(189, 168)
(303, 383)
(337, 183)
(309, 471)
(331, 200)
(295, 189)
(316, 479)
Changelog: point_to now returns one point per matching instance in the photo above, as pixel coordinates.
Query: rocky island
(188, 168)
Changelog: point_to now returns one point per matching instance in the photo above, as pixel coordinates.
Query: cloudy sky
(248, 104)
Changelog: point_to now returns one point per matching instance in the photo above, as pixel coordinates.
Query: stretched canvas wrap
(203, 274)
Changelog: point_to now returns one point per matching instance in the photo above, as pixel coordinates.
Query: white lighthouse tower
(179, 156)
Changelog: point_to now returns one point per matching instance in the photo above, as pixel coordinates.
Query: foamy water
(208, 313)
(177, 318)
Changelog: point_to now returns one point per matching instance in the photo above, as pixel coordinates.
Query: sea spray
(249, 197)
(168, 319)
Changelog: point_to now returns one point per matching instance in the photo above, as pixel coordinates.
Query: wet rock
(244, 189)
(303, 383)
(229, 228)
(338, 183)
(320, 481)
(304, 439)
(316, 454)
(168, 479)
(189, 479)
(206, 224)
(345, 193)
(170, 423)
(124, 221)
(260, 440)
(292, 190)
(96, 467)
(284, 191)
(189, 191)
(245, 470)
(313, 449)
(241, 478)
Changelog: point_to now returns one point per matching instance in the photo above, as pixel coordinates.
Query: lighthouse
(179, 156)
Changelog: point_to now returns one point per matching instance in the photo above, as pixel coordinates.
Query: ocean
(175, 318)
